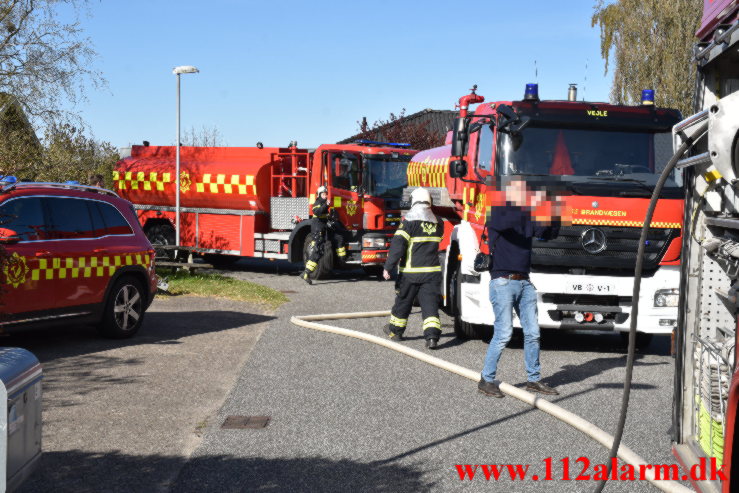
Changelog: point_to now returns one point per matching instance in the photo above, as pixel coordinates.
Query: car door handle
(99, 250)
(43, 253)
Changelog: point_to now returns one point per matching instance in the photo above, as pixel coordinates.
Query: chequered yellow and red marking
(231, 184)
(428, 173)
(630, 224)
(141, 180)
(19, 269)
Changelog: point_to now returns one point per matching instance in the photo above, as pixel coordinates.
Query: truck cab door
(346, 176)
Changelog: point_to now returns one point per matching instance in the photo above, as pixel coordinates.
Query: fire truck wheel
(325, 264)
(162, 234)
(124, 310)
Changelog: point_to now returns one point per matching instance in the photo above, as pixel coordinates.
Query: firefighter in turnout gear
(415, 249)
(325, 223)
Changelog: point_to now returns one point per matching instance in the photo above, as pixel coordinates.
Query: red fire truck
(254, 201)
(604, 160)
(706, 382)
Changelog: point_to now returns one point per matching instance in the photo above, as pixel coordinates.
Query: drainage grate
(243, 422)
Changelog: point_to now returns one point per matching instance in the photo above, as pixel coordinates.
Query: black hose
(635, 298)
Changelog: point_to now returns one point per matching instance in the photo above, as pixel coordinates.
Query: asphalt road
(347, 415)
(123, 416)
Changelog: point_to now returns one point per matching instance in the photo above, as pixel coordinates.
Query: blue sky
(307, 71)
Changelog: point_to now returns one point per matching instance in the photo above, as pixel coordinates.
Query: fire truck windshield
(385, 176)
(588, 158)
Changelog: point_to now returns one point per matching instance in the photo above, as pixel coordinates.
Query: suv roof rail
(31, 184)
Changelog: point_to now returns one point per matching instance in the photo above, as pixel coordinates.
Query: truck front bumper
(562, 296)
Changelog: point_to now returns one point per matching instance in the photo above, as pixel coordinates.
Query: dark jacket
(320, 209)
(511, 231)
(415, 248)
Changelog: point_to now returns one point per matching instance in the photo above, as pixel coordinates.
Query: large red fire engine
(706, 398)
(253, 201)
(604, 159)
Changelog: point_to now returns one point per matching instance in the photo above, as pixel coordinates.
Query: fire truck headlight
(666, 297)
(374, 242)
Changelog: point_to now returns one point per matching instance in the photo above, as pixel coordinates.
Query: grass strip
(202, 284)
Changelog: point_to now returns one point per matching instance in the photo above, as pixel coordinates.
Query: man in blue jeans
(511, 230)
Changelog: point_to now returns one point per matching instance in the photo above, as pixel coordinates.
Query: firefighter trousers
(428, 292)
(322, 234)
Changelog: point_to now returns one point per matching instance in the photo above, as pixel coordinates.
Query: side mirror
(458, 168)
(8, 237)
(459, 137)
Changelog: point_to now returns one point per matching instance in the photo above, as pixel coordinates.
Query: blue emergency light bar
(647, 97)
(378, 144)
(8, 179)
(532, 92)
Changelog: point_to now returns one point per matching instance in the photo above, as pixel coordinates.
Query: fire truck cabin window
(345, 171)
(579, 152)
(485, 148)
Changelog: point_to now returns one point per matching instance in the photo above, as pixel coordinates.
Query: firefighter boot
(432, 343)
(393, 333)
(341, 255)
(306, 277)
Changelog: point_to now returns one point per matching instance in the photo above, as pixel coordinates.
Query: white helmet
(321, 189)
(420, 195)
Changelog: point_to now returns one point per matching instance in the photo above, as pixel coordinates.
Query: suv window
(98, 224)
(115, 223)
(25, 216)
(70, 218)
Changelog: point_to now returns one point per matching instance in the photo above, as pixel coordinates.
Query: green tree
(650, 42)
(45, 62)
(69, 154)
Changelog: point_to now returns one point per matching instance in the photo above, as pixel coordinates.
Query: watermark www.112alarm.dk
(581, 469)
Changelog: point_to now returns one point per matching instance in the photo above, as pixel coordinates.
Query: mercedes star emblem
(595, 204)
(593, 240)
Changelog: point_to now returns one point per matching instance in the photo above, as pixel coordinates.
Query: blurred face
(516, 192)
(324, 195)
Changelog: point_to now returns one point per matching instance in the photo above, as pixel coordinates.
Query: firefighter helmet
(420, 195)
(321, 189)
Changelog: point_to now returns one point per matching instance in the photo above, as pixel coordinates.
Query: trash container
(20, 372)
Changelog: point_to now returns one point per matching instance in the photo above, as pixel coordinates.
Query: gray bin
(20, 371)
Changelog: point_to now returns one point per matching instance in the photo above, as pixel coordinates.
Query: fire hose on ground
(613, 442)
(589, 429)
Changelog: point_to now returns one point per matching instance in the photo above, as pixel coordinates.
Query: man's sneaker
(432, 343)
(306, 278)
(392, 335)
(542, 388)
(489, 388)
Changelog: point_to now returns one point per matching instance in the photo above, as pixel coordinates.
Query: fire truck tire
(325, 264)
(217, 260)
(162, 234)
(124, 309)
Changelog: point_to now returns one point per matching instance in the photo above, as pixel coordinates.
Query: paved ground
(349, 415)
(124, 416)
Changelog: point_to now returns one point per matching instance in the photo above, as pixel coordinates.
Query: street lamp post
(182, 69)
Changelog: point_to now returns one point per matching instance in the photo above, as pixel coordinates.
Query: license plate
(591, 287)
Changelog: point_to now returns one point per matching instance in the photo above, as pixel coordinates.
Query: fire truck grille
(619, 251)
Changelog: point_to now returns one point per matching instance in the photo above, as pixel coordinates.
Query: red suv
(73, 253)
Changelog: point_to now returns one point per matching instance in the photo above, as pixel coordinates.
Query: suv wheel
(124, 309)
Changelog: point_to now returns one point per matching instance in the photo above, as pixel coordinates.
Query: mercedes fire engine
(254, 201)
(706, 382)
(604, 160)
